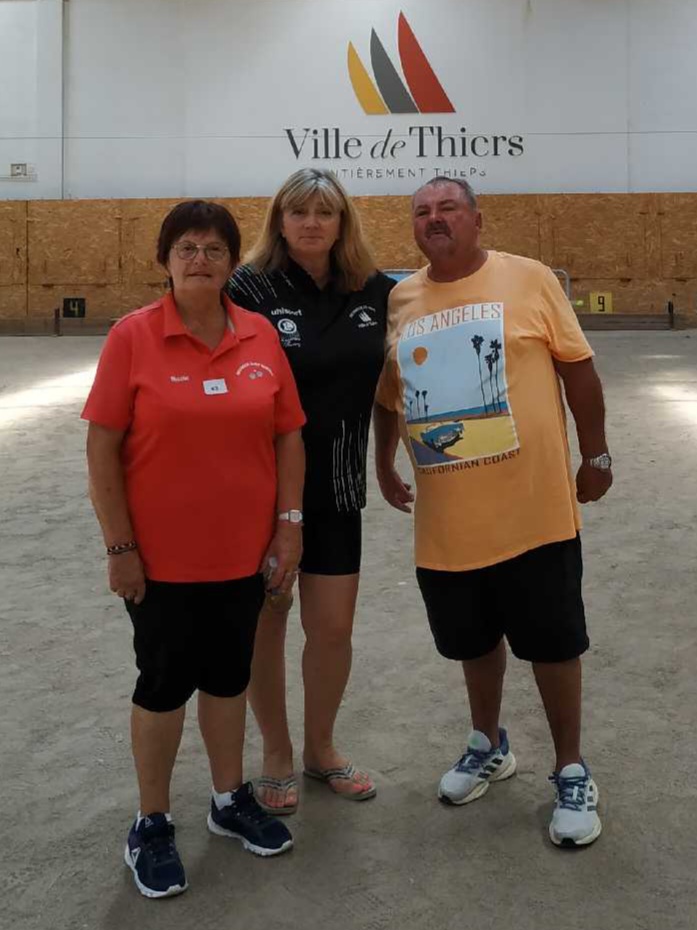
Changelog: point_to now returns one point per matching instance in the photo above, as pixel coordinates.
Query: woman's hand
(280, 564)
(126, 576)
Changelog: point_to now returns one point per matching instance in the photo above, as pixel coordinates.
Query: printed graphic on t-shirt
(288, 332)
(453, 367)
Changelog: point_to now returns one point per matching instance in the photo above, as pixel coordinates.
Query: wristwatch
(291, 516)
(601, 462)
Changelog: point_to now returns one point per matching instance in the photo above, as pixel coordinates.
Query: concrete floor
(400, 861)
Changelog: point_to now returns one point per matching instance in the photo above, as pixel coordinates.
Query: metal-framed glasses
(188, 251)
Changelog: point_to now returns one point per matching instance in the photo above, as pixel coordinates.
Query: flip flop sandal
(268, 782)
(347, 773)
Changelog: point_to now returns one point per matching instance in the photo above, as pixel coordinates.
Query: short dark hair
(470, 196)
(201, 215)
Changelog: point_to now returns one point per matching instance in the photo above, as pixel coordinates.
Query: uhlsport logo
(419, 92)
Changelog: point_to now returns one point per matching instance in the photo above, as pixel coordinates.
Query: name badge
(215, 386)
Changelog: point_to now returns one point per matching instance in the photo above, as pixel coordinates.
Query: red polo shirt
(198, 454)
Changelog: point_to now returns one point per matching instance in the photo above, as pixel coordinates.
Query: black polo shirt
(335, 343)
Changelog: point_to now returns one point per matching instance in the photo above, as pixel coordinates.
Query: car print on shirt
(442, 437)
(455, 386)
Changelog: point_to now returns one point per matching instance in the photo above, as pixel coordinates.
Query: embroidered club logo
(386, 92)
(254, 370)
(287, 327)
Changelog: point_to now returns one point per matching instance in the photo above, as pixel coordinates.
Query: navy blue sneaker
(244, 819)
(153, 858)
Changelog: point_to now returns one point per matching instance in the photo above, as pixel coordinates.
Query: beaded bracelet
(120, 548)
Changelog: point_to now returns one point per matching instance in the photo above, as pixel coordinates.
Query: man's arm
(584, 395)
(386, 429)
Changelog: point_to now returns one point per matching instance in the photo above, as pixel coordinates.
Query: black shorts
(331, 543)
(193, 635)
(534, 600)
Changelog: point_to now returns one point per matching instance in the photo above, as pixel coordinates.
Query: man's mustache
(433, 228)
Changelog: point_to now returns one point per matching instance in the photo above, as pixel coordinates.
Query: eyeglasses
(188, 251)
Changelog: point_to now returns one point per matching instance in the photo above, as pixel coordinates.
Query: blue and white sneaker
(575, 821)
(153, 858)
(244, 819)
(471, 776)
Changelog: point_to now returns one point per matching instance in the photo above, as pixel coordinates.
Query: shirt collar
(243, 325)
(306, 282)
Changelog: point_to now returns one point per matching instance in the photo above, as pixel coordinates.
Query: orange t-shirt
(198, 454)
(470, 372)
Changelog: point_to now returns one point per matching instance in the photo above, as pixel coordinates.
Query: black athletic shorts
(194, 635)
(534, 600)
(331, 543)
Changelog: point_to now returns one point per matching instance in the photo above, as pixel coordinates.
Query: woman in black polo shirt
(312, 275)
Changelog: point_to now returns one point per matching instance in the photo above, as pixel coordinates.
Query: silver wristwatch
(291, 516)
(601, 462)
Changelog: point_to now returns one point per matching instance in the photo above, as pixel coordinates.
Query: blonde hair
(352, 257)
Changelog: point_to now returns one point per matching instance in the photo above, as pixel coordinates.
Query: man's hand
(395, 491)
(592, 483)
(280, 564)
(126, 576)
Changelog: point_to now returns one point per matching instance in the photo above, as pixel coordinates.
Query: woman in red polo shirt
(196, 467)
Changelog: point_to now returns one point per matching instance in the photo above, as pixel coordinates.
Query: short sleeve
(110, 401)
(566, 340)
(289, 414)
(387, 393)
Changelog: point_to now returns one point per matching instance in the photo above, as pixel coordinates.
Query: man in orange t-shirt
(477, 343)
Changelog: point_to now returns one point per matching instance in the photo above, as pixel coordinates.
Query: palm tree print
(418, 409)
(423, 397)
(477, 342)
(489, 359)
(495, 347)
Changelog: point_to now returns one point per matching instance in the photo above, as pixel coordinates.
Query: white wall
(30, 96)
(192, 97)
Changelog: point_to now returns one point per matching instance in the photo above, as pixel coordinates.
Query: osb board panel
(141, 221)
(249, 212)
(102, 300)
(13, 242)
(133, 296)
(74, 241)
(512, 224)
(13, 301)
(636, 295)
(386, 222)
(76, 246)
(599, 235)
(677, 218)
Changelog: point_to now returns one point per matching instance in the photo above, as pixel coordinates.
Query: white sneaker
(470, 777)
(575, 821)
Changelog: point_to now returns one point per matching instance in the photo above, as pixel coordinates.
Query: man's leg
(484, 679)
(559, 684)
(463, 624)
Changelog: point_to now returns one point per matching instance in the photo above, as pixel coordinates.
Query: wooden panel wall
(642, 247)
